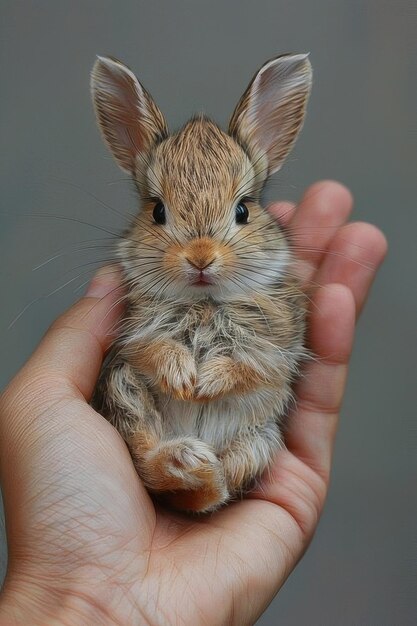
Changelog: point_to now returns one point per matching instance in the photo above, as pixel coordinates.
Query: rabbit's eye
(159, 213)
(242, 213)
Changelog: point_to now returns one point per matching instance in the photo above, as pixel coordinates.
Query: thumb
(40, 406)
(73, 348)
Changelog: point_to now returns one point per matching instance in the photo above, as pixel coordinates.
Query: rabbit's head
(201, 230)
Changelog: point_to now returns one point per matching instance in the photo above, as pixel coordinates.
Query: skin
(87, 544)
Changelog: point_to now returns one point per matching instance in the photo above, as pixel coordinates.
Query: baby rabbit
(199, 380)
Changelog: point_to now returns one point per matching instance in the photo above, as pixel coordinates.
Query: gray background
(361, 129)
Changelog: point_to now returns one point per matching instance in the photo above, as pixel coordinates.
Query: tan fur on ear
(271, 112)
(128, 117)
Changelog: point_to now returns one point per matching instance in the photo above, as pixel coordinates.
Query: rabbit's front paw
(222, 375)
(177, 373)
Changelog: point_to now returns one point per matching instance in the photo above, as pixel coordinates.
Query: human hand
(87, 545)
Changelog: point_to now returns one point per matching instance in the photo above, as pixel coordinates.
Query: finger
(73, 348)
(354, 256)
(282, 211)
(312, 425)
(324, 207)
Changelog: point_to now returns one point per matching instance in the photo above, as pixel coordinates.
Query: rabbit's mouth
(202, 280)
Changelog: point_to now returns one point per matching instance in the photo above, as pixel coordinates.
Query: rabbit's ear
(128, 117)
(270, 113)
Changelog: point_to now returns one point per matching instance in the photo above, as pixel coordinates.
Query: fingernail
(104, 281)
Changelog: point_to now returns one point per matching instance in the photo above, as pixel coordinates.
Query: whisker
(94, 197)
(69, 251)
(68, 219)
(341, 255)
(116, 288)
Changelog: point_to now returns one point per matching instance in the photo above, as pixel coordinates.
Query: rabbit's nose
(201, 253)
(200, 264)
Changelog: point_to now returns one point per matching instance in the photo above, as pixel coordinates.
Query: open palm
(88, 545)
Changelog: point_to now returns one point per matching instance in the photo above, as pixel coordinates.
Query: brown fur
(162, 361)
(200, 376)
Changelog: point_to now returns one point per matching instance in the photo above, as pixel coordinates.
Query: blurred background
(63, 200)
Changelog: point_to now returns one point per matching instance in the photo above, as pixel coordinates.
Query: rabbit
(198, 381)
